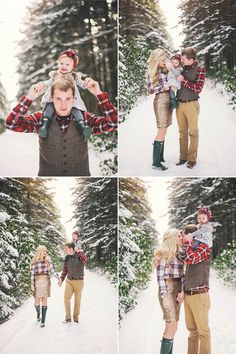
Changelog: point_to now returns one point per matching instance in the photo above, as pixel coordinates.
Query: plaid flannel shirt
(42, 268)
(165, 270)
(201, 253)
(83, 259)
(19, 122)
(162, 79)
(200, 79)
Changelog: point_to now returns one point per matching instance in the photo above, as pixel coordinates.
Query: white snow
(95, 334)
(143, 326)
(216, 153)
(4, 216)
(20, 155)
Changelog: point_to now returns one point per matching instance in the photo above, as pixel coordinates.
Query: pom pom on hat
(71, 53)
(206, 211)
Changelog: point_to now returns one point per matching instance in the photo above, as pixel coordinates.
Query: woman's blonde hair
(153, 64)
(168, 248)
(40, 255)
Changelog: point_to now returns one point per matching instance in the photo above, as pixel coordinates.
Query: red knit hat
(206, 211)
(176, 56)
(71, 53)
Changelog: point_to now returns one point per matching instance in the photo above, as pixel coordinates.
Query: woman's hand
(180, 297)
(180, 78)
(33, 288)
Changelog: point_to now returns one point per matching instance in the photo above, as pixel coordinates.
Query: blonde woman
(41, 268)
(170, 283)
(157, 77)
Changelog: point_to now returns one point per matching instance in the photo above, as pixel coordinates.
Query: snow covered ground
(95, 334)
(216, 154)
(142, 328)
(19, 155)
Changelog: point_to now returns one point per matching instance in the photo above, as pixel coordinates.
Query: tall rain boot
(84, 129)
(44, 310)
(156, 164)
(162, 152)
(37, 308)
(166, 346)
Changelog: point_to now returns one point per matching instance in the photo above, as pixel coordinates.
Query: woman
(41, 267)
(170, 282)
(156, 80)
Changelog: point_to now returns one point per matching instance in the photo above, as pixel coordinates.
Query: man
(63, 152)
(196, 289)
(192, 81)
(74, 270)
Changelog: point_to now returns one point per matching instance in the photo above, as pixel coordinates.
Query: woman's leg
(170, 330)
(44, 301)
(161, 133)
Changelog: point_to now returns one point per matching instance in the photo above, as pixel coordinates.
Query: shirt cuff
(102, 97)
(24, 101)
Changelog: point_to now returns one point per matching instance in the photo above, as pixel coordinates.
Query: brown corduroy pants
(73, 287)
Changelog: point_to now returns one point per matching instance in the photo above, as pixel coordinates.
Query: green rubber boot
(43, 131)
(166, 346)
(162, 152)
(84, 129)
(37, 308)
(156, 164)
(173, 103)
(44, 311)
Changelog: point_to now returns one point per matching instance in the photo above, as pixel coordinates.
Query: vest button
(64, 155)
(64, 140)
(65, 171)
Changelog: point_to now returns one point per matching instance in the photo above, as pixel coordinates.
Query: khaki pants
(187, 118)
(196, 317)
(73, 287)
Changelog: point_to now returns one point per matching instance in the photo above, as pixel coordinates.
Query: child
(173, 84)
(204, 232)
(67, 61)
(76, 241)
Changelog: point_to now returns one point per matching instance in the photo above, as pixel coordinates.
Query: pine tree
(142, 29)
(95, 201)
(137, 236)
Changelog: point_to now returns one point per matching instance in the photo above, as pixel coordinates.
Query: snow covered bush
(225, 264)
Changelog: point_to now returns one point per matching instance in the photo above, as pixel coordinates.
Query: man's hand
(180, 78)
(59, 282)
(35, 91)
(188, 237)
(92, 86)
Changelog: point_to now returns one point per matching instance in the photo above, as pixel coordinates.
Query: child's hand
(92, 86)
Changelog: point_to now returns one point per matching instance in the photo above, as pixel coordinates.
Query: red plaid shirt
(200, 79)
(201, 253)
(165, 270)
(42, 268)
(21, 123)
(83, 259)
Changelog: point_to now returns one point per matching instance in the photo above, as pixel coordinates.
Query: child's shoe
(84, 129)
(173, 103)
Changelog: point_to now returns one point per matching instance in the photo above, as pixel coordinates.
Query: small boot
(162, 152)
(166, 346)
(173, 103)
(44, 310)
(37, 308)
(157, 146)
(84, 129)
(43, 131)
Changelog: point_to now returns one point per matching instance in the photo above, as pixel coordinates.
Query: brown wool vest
(185, 94)
(75, 268)
(63, 154)
(197, 275)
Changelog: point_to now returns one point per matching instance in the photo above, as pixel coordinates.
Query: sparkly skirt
(42, 286)
(173, 288)
(161, 105)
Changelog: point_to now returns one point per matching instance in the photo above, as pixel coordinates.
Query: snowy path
(142, 328)
(19, 155)
(95, 334)
(216, 154)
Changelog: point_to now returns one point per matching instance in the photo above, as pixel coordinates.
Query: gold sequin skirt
(161, 105)
(42, 286)
(173, 288)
